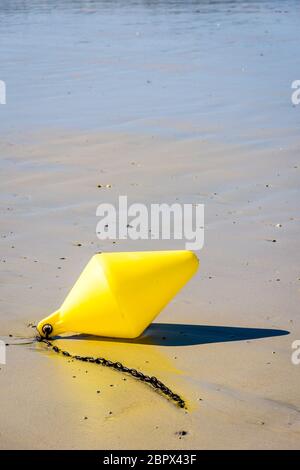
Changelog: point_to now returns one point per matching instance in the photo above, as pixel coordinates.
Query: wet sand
(165, 101)
(224, 343)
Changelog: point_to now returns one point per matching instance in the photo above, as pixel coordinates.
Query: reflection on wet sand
(148, 359)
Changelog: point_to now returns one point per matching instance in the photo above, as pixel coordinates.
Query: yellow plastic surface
(119, 294)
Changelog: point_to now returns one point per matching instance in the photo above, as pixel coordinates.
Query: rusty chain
(152, 381)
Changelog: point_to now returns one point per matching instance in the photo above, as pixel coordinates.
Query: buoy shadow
(176, 334)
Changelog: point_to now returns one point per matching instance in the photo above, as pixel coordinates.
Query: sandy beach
(228, 335)
(225, 342)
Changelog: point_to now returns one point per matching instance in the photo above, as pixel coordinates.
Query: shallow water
(188, 70)
(210, 68)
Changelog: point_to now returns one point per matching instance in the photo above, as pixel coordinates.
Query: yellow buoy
(119, 294)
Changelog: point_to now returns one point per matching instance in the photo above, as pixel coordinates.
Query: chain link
(152, 381)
